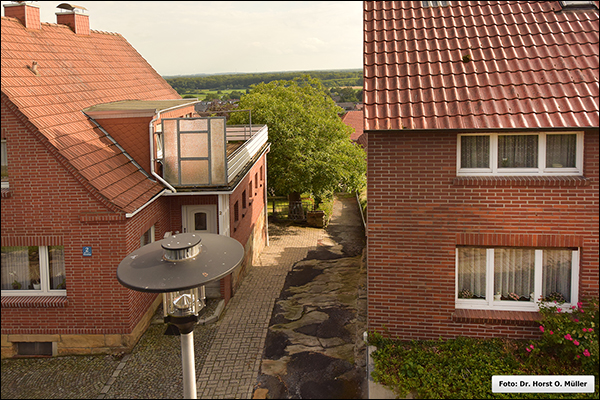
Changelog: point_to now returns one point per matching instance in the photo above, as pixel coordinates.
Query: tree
(311, 150)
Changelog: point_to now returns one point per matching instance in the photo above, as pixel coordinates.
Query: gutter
(164, 191)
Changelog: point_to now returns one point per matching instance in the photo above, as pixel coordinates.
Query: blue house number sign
(87, 251)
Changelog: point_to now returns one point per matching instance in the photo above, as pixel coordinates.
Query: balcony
(200, 153)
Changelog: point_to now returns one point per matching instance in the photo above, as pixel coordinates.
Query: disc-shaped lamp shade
(182, 261)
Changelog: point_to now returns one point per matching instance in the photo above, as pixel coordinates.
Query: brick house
(99, 157)
(482, 178)
(354, 119)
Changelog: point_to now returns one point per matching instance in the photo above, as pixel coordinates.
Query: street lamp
(179, 267)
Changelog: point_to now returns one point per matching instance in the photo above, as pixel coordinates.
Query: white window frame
(508, 305)
(541, 168)
(44, 279)
(151, 233)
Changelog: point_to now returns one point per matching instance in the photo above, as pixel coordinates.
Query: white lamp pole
(179, 267)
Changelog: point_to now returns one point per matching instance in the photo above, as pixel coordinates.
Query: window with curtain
(475, 151)
(33, 270)
(514, 277)
(517, 151)
(561, 151)
(520, 154)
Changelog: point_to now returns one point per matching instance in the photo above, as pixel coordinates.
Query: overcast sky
(189, 37)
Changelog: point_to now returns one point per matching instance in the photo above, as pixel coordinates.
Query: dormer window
(576, 4)
(434, 3)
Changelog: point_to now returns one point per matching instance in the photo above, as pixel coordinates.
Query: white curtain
(471, 270)
(561, 151)
(56, 261)
(514, 271)
(557, 273)
(475, 151)
(517, 151)
(15, 267)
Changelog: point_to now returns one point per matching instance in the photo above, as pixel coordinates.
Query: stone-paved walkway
(228, 353)
(232, 365)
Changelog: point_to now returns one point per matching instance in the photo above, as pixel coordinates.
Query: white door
(199, 218)
(202, 219)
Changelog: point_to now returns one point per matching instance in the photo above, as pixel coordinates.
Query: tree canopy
(184, 84)
(311, 150)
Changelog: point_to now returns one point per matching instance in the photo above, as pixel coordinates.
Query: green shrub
(568, 336)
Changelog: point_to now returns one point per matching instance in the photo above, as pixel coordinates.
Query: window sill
(34, 301)
(541, 181)
(497, 317)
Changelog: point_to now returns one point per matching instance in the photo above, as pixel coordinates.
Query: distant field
(202, 93)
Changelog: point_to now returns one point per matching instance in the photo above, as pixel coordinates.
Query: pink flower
(552, 333)
(531, 346)
(590, 330)
(528, 350)
(578, 356)
(573, 307)
(541, 328)
(568, 336)
(575, 342)
(575, 320)
(586, 353)
(558, 309)
(579, 304)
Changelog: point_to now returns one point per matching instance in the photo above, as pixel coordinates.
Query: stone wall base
(84, 344)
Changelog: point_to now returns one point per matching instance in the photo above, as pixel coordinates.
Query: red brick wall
(47, 204)
(255, 204)
(418, 213)
(250, 220)
(133, 135)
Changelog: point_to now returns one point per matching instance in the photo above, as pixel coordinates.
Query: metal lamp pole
(179, 267)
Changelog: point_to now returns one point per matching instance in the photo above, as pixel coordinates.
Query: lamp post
(179, 267)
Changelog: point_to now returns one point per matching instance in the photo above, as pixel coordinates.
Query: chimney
(26, 12)
(74, 17)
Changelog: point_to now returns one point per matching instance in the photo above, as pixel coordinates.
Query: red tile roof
(496, 64)
(75, 72)
(354, 119)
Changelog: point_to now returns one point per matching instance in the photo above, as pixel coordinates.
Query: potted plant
(465, 294)
(36, 284)
(498, 296)
(513, 296)
(16, 285)
(556, 296)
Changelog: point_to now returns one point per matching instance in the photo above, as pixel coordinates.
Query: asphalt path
(314, 347)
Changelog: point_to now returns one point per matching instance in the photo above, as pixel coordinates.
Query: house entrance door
(202, 219)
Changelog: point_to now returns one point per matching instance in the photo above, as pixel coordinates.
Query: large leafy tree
(311, 150)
